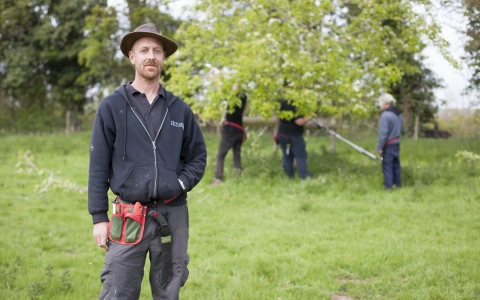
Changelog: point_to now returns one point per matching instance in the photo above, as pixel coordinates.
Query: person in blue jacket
(148, 149)
(388, 145)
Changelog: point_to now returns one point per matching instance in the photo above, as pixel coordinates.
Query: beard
(149, 71)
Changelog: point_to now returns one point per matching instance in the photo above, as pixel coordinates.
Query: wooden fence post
(67, 123)
(333, 143)
(415, 130)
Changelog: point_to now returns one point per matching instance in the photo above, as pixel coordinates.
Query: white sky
(454, 81)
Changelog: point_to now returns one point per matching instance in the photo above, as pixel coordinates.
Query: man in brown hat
(147, 148)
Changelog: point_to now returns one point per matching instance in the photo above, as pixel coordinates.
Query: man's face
(148, 57)
(383, 105)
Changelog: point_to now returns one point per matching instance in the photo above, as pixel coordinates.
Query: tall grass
(260, 235)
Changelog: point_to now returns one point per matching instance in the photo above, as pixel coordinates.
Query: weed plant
(260, 235)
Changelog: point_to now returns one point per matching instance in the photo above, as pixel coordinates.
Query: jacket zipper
(155, 154)
(153, 144)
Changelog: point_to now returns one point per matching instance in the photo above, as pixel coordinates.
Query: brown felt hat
(147, 30)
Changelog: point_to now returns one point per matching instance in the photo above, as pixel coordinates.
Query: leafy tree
(328, 57)
(472, 47)
(22, 76)
(60, 44)
(39, 61)
(106, 65)
(54, 51)
(99, 48)
(414, 94)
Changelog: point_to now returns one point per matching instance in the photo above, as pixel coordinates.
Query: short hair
(387, 98)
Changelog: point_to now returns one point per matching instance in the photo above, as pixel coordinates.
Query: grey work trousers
(123, 271)
(229, 141)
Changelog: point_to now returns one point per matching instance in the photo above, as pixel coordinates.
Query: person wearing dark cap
(388, 144)
(148, 149)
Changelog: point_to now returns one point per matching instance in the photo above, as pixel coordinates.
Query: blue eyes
(156, 51)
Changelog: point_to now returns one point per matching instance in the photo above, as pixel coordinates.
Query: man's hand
(100, 231)
(302, 121)
(380, 152)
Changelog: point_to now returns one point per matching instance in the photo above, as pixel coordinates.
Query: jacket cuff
(182, 185)
(100, 217)
(185, 181)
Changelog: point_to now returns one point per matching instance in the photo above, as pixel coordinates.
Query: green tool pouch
(127, 223)
(116, 227)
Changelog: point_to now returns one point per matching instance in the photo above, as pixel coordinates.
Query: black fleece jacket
(140, 167)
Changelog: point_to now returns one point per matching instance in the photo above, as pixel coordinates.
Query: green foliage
(60, 41)
(465, 156)
(414, 94)
(53, 52)
(106, 65)
(37, 290)
(330, 57)
(9, 272)
(97, 51)
(472, 46)
(21, 68)
(327, 56)
(39, 68)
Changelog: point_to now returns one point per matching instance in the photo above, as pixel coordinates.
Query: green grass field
(260, 236)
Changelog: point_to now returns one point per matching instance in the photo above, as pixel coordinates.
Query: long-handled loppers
(356, 147)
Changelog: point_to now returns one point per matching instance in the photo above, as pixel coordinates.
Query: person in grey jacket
(388, 145)
(148, 149)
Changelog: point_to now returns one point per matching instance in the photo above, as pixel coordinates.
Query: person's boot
(216, 181)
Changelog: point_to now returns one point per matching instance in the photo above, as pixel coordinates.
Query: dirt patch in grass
(339, 297)
(344, 281)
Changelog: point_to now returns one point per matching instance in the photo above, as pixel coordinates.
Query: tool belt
(281, 138)
(233, 124)
(127, 223)
(391, 141)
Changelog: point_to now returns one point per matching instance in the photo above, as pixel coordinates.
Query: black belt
(147, 204)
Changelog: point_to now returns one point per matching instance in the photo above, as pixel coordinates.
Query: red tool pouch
(127, 223)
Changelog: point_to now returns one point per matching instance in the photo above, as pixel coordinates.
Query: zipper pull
(154, 147)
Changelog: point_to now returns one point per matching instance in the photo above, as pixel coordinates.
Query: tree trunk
(132, 7)
(333, 143)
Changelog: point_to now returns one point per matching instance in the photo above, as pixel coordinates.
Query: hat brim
(169, 46)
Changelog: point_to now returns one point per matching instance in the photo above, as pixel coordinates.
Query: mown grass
(261, 235)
